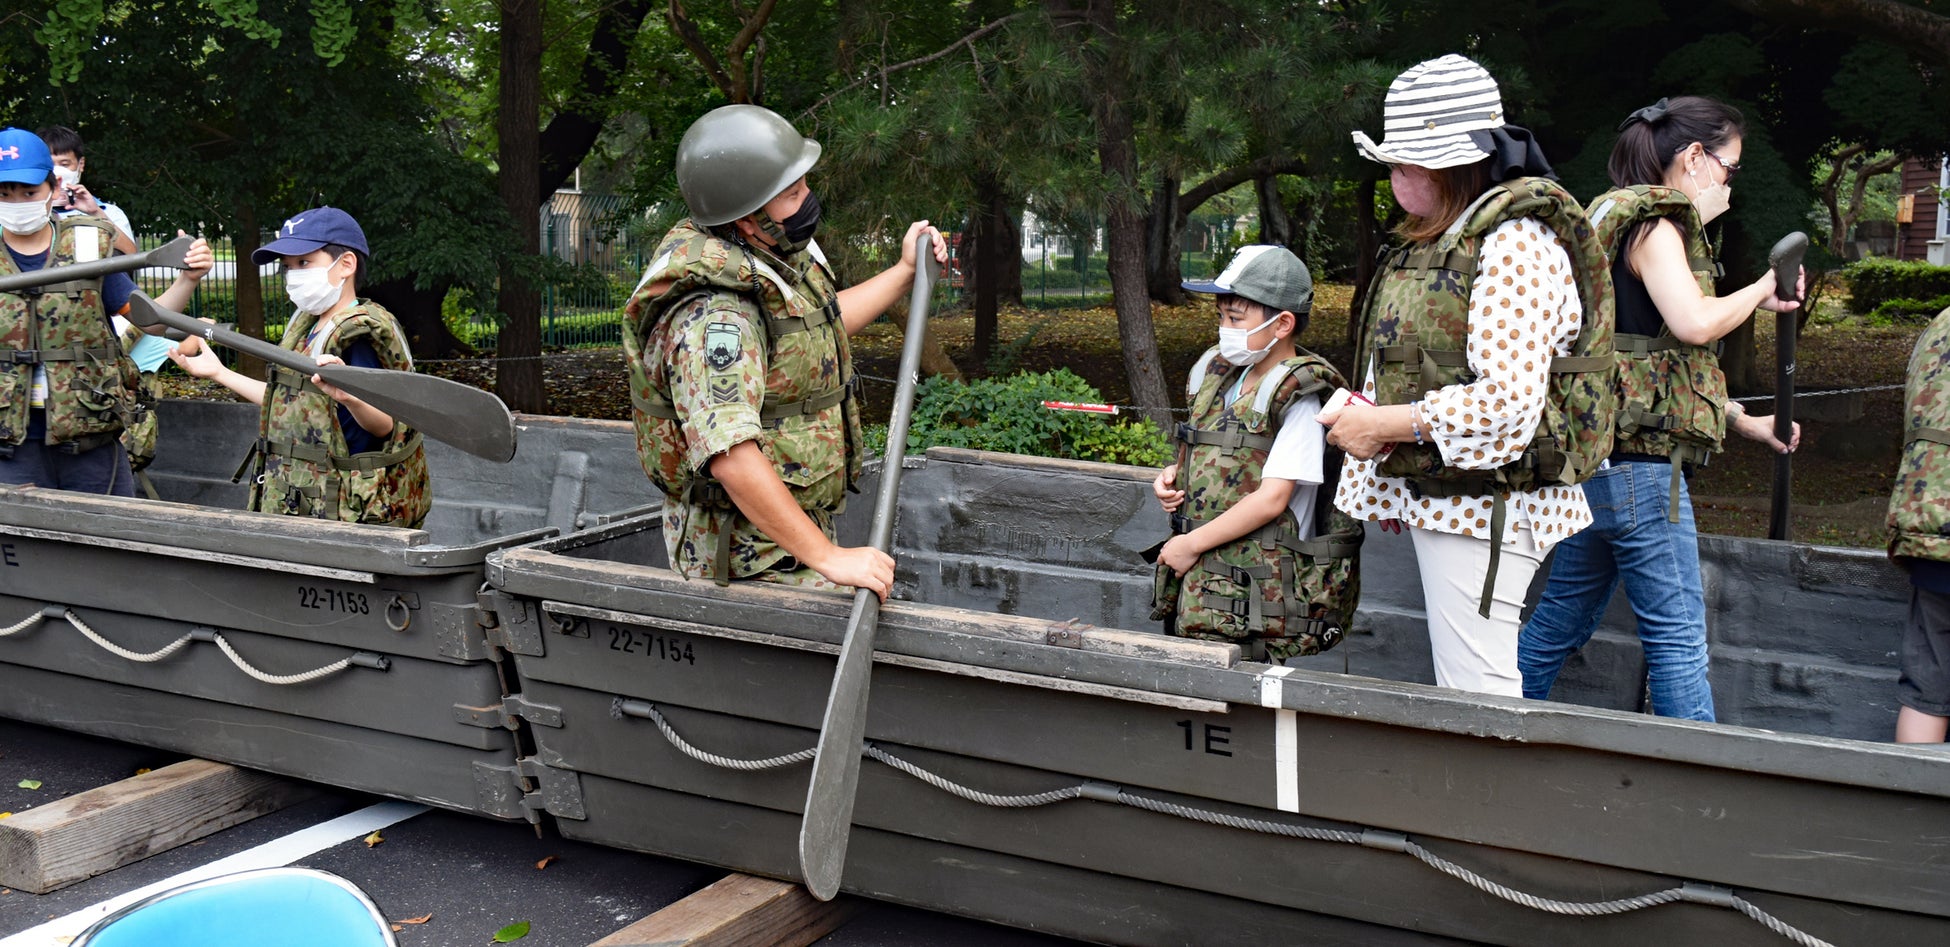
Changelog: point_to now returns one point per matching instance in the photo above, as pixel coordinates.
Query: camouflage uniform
(1672, 397)
(304, 467)
(63, 329)
(139, 438)
(1274, 592)
(1919, 507)
(735, 350)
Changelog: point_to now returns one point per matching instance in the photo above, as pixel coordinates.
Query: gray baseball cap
(1265, 273)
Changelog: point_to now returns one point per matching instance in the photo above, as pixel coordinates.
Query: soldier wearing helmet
(741, 380)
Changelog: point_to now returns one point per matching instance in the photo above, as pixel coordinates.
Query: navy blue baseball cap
(311, 230)
(24, 158)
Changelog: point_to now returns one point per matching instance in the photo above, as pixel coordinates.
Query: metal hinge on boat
(508, 714)
(509, 623)
(527, 789)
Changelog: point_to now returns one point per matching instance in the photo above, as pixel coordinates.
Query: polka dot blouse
(1523, 304)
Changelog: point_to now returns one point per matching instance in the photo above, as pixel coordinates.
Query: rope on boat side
(726, 762)
(279, 679)
(22, 625)
(179, 644)
(973, 795)
(1370, 838)
(121, 652)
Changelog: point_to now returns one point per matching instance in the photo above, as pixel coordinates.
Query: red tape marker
(1081, 406)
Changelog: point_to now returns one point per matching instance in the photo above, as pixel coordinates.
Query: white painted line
(272, 854)
(1286, 760)
(1286, 741)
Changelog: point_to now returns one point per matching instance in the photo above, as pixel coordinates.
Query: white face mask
(69, 177)
(310, 291)
(1235, 345)
(1711, 201)
(24, 219)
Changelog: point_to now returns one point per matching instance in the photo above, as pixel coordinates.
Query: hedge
(1007, 414)
(1874, 282)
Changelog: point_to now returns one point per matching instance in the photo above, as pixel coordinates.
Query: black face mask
(799, 228)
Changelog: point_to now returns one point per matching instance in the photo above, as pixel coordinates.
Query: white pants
(1471, 652)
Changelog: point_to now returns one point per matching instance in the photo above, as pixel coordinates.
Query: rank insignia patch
(724, 390)
(722, 345)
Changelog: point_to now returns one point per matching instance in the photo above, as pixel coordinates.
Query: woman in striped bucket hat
(1460, 327)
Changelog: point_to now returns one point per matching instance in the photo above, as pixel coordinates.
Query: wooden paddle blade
(829, 814)
(455, 414)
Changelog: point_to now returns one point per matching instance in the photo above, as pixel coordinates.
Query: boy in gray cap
(1245, 562)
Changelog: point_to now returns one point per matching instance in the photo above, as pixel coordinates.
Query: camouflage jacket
(63, 330)
(139, 438)
(1276, 592)
(737, 349)
(1919, 507)
(1672, 397)
(304, 465)
(1417, 321)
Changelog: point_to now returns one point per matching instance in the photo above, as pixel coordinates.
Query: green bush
(1007, 414)
(1892, 311)
(1874, 282)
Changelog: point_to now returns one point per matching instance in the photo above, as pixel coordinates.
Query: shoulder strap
(1196, 380)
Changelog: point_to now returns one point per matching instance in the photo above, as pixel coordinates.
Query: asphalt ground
(467, 876)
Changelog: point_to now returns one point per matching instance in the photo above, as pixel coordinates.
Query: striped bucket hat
(1430, 111)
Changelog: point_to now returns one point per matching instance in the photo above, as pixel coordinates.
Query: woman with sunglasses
(1673, 166)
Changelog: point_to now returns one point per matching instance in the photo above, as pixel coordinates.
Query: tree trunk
(518, 374)
(249, 286)
(991, 249)
(1124, 228)
(1163, 233)
(1367, 245)
(418, 312)
(1274, 225)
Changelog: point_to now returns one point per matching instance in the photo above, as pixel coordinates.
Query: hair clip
(1648, 115)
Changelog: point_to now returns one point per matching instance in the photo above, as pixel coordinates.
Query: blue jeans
(1630, 539)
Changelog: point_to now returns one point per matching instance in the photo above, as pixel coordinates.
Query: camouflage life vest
(139, 438)
(1672, 397)
(1418, 320)
(1919, 507)
(809, 429)
(304, 467)
(64, 330)
(1276, 593)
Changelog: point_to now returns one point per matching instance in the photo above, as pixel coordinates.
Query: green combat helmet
(736, 158)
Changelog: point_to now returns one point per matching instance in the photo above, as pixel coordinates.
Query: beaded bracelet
(1415, 419)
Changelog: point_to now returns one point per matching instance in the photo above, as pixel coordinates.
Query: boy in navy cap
(64, 381)
(1246, 562)
(321, 451)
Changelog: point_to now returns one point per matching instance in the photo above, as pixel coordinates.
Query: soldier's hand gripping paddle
(171, 255)
(1785, 259)
(449, 412)
(836, 766)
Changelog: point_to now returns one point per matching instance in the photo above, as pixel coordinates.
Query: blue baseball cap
(24, 158)
(311, 230)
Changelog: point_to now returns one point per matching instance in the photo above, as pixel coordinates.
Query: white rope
(119, 651)
(244, 666)
(22, 625)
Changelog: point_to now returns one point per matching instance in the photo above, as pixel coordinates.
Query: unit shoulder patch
(722, 345)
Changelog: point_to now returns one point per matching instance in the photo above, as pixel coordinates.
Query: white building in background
(1037, 241)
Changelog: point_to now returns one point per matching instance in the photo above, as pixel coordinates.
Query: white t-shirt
(1297, 455)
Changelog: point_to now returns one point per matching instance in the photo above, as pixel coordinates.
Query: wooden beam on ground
(83, 835)
(738, 911)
